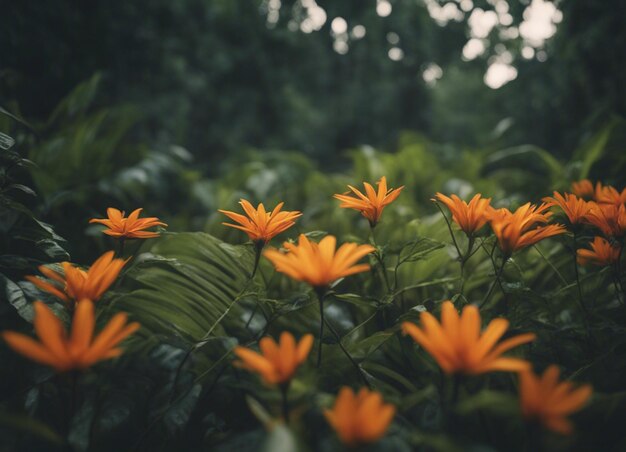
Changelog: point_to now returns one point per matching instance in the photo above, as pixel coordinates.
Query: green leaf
(527, 156)
(593, 149)
(280, 439)
(492, 401)
(30, 426)
(190, 284)
(15, 295)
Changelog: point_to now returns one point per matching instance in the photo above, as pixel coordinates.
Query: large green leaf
(190, 284)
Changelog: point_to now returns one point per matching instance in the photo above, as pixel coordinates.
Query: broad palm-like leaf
(186, 284)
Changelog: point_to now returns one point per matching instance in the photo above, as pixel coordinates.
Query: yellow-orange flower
(76, 284)
(360, 418)
(279, 361)
(601, 253)
(458, 345)
(583, 189)
(131, 227)
(609, 218)
(609, 195)
(548, 401)
(470, 217)
(522, 228)
(319, 264)
(575, 208)
(260, 225)
(80, 349)
(371, 204)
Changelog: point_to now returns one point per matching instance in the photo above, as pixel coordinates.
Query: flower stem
(580, 292)
(122, 242)
(321, 292)
(343, 349)
(498, 272)
(456, 245)
(381, 262)
(284, 390)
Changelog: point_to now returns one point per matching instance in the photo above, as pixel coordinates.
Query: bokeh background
(183, 106)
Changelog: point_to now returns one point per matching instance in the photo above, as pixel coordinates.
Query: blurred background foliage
(185, 106)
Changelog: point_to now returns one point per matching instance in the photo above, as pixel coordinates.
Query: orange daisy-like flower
(458, 345)
(372, 205)
(360, 418)
(260, 225)
(608, 218)
(76, 284)
(80, 349)
(609, 195)
(318, 264)
(601, 253)
(470, 217)
(279, 361)
(131, 227)
(583, 189)
(522, 228)
(574, 207)
(545, 399)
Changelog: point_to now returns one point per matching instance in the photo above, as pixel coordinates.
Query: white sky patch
(273, 12)
(383, 8)
(395, 54)
(528, 52)
(432, 73)
(499, 74)
(473, 48)
(339, 25)
(393, 38)
(358, 32)
(508, 33)
(466, 5)
(442, 14)
(482, 22)
(540, 19)
(341, 47)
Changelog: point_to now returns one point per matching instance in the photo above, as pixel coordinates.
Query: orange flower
(130, 227)
(520, 229)
(583, 189)
(470, 217)
(77, 284)
(360, 418)
(458, 346)
(601, 253)
(261, 226)
(548, 401)
(279, 361)
(609, 218)
(575, 208)
(78, 351)
(372, 205)
(319, 264)
(609, 195)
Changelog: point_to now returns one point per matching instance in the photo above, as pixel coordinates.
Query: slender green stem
(284, 390)
(456, 245)
(551, 265)
(498, 272)
(343, 349)
(577, 273)
(381, 262)
(122, 242)
(580, 292)
(320, 297)
(258, 250)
